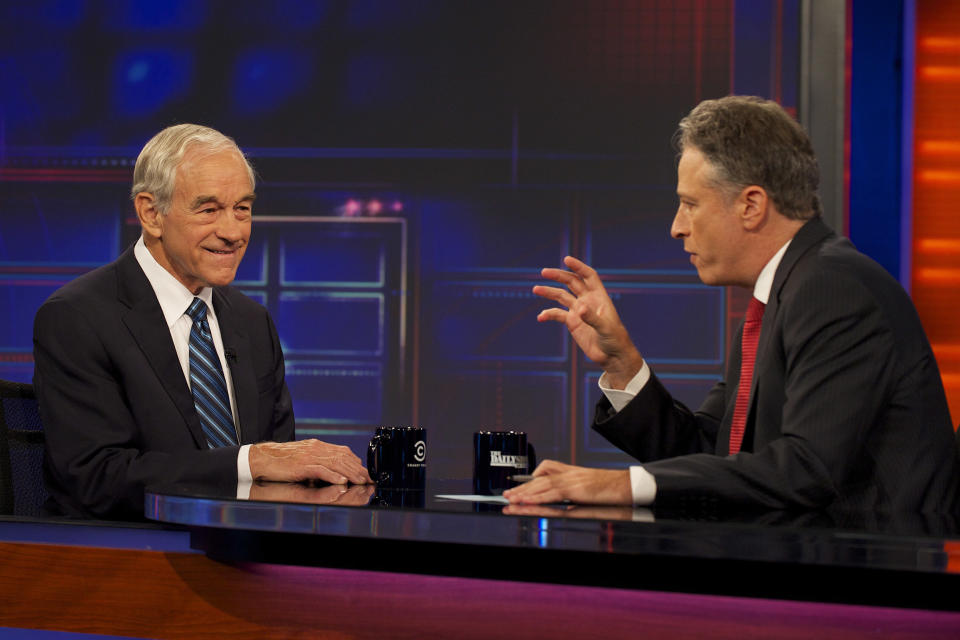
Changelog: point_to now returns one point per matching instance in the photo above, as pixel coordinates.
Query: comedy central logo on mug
(419, 452)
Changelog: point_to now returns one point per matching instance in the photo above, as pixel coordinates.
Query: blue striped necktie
(207, 383)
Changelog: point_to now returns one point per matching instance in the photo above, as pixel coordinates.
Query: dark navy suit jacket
(116, 408)
(847, 407)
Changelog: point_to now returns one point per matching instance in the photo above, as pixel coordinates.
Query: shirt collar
(761, 290)
(174, 298)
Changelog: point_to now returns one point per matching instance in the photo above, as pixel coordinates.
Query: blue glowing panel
(678, 324)
(462, 402)
(44, 14)
(519, 233)
(491, 321)
(631, 232)
(754, 51)
(690, 389)
(55, 229)
(19, 301)
(157, 15)
(333, 257)
(326, 393)
(285, 15)
(33, 86)
(16, 371)
(146, 80)
(266, 78)
(317, 323)
(253, 267)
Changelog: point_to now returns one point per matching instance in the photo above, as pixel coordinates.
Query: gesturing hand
(591, 319)
(306, 460)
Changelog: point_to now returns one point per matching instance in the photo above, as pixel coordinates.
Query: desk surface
(903, 560)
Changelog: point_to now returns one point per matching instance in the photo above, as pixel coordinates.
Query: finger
(546, 467)
(583, 271)
(567, 278)
(349, 467)
(320, 472)
(536, 491)
(552, 315)
(556, 294)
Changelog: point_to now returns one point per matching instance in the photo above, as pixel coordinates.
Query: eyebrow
(201, 200)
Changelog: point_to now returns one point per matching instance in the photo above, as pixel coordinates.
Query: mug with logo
(497, 455)
(397, 457)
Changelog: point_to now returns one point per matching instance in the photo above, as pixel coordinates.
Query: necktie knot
(754, 310)
(197, 310)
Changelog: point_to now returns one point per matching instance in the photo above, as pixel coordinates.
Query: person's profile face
(207, 228)
(707, 222)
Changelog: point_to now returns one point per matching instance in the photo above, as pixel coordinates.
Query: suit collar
(146, 323)
(810, 235)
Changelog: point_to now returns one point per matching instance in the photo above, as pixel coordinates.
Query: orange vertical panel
(936, 186)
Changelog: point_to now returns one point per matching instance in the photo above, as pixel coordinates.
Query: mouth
(220, 252)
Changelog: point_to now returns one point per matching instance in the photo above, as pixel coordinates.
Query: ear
(150, 219)
(755, 207)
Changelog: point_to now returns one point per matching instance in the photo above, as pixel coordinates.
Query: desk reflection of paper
(474, 498)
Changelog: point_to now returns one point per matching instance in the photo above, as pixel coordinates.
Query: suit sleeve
(94, 448)
(654, 425)
(839, 368)
(282, 424)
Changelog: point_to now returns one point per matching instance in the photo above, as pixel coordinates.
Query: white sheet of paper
(474, 498)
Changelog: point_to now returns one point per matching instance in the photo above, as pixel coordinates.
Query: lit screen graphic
(418, 164)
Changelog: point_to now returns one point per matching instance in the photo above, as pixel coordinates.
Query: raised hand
(591, 319)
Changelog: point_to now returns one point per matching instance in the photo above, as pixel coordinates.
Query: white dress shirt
(175, 299)
(642, 483)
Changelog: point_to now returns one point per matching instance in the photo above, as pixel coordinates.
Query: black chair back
(22, 491)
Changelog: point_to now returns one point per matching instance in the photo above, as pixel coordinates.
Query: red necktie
(748, 348)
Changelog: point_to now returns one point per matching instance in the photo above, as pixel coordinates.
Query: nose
(230, 229)
(680, 227)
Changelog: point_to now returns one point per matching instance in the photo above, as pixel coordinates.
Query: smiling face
(709, 224)
(203, 236)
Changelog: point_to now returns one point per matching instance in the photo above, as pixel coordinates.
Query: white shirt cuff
(243, 465)
(643, 486)
(620, 398)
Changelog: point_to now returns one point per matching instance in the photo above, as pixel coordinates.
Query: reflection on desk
(902, 559)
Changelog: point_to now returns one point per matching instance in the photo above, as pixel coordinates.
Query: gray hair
(156, 168)
(751, 141)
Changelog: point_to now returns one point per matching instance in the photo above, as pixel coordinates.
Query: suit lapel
(144, 319)
(810, 235)
(237, 352)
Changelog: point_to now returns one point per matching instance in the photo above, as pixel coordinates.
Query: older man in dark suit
(152, 369)
(832, 397)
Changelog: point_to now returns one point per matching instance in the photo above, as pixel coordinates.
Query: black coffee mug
(397, 457)
(497, 455)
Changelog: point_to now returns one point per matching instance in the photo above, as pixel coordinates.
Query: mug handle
(372, 458)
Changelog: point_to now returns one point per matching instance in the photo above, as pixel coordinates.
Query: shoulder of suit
(238, 301)
(92, 287)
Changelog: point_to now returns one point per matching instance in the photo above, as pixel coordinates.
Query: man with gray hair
(152, 369)
(831, 398)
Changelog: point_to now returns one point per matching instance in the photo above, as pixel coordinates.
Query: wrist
(620, 371)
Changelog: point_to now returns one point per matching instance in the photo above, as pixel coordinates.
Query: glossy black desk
(903, 561)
